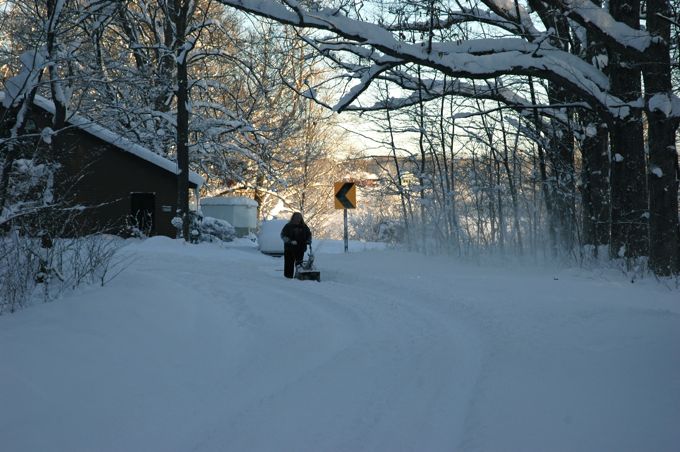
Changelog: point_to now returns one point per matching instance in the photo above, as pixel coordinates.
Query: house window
(142, 210)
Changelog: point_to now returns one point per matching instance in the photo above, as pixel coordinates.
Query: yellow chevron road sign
(345, 195)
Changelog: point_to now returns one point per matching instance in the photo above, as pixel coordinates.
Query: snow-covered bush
(19, 269)
(34, 268)
(212, 229)
(137, 227)
(374, 226)
(39, 258)
(389, 231)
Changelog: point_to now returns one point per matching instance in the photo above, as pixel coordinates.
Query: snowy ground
(209, 348)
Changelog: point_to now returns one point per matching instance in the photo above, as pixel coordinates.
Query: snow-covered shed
(119, 183)
(241, 212)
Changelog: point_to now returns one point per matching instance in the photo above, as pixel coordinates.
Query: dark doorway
(142, 208)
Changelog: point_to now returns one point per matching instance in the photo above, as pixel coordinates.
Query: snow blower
(305, 270)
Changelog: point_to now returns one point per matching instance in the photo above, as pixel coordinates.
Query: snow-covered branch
(475, 58)
(594, 17)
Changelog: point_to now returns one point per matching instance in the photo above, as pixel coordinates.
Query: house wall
(108, 176)
(101, 178)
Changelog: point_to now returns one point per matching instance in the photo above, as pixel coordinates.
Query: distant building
(239, 211)
(117, 182)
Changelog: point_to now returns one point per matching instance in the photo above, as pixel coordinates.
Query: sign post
(345, 198)
(345, 235)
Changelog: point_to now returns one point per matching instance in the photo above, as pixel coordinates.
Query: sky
(208, 348)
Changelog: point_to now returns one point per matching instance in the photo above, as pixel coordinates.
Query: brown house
(117, 182)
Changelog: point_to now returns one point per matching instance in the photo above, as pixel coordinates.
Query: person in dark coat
(296, 236)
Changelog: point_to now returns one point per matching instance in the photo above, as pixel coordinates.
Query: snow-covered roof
(115, 139)
(228, 201)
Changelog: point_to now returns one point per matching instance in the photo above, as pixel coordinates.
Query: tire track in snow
(401, 380)
(459, 330)
(384, 368)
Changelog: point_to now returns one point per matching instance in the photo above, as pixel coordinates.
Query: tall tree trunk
(664, 253)
(509, 174)
(423, 162)
(595, 176)
(595, 162)
(561, 158)
(448, 142)
(400, 184)
(58, 148)
(495, 186)
(629, 215)
(546, 186)
(560, 152)
(181, 12)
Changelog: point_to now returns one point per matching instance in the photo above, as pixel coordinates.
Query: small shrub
(32, 269)
(136, 227)
(212, 229)
(389, 231)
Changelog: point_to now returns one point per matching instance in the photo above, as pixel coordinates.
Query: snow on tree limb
(594, 17)
(476, 59)
(510, 10)
(425, 90)
(33, 62)
(362, 86)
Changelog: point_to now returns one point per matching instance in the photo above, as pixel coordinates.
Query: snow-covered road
(206, 348)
